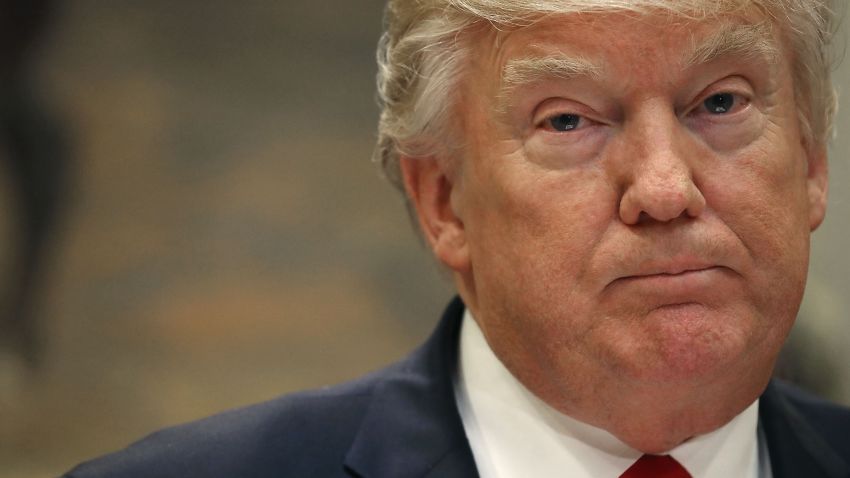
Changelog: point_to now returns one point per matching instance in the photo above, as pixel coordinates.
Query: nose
(658, 177)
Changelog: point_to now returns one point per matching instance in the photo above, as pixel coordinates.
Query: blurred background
(189, 221)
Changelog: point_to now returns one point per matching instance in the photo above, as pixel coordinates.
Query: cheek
(762, 191)
(532, 241)
(541, 219)
(761, 197)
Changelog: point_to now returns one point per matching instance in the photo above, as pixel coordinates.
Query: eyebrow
(522, 71)
(750, 41)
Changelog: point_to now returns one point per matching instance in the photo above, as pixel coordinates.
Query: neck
(656, 419)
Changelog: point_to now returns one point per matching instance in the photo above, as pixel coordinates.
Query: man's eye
(720, 103)
(564, 122)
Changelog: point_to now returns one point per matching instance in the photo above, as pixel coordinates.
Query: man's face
(633, 209)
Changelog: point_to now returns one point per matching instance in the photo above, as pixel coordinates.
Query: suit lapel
(795, 448)
(413, 428)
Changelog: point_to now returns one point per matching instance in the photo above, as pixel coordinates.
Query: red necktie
(656, 466)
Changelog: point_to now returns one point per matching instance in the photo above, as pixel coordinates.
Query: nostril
(660, 202)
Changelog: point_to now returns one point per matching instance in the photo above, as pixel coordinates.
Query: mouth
(674, 284)
(671, 272)
(676, 266)
(683, 276)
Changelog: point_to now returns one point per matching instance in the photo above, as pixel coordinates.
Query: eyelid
(742, 102)
(737, 86)
(553, 107)
(547, 126)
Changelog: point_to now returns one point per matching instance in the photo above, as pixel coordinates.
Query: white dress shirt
(514, 434)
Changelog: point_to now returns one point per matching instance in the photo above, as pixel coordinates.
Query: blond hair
(421, 55)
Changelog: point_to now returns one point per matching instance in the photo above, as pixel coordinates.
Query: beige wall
(825, 313)
(228, 239)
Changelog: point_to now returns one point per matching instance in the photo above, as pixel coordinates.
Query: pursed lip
(671, 271)
(667, 268)
(672, 282)
(671, 266)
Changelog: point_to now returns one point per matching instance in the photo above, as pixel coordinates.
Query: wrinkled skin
(641, 269)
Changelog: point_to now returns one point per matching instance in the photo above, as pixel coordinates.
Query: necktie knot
(656, 466)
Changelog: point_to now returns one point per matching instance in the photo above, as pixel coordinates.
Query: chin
(686, 344)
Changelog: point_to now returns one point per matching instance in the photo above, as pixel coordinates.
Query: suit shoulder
(830, 420)
(307, 433)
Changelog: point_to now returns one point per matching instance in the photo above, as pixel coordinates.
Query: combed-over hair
(422, 52)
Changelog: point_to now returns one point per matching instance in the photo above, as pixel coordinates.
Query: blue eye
(719, 104)
(564, 122)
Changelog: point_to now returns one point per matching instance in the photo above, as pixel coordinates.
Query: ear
(430, 190)
(818, 184)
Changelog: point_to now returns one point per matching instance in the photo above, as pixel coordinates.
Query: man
(623, 193)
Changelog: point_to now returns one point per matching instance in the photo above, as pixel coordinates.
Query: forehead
(619, 43)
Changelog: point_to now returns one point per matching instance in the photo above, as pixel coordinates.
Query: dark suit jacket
(402, 422)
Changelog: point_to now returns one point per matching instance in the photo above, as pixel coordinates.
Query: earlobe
(818, 186)
(430, 190)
